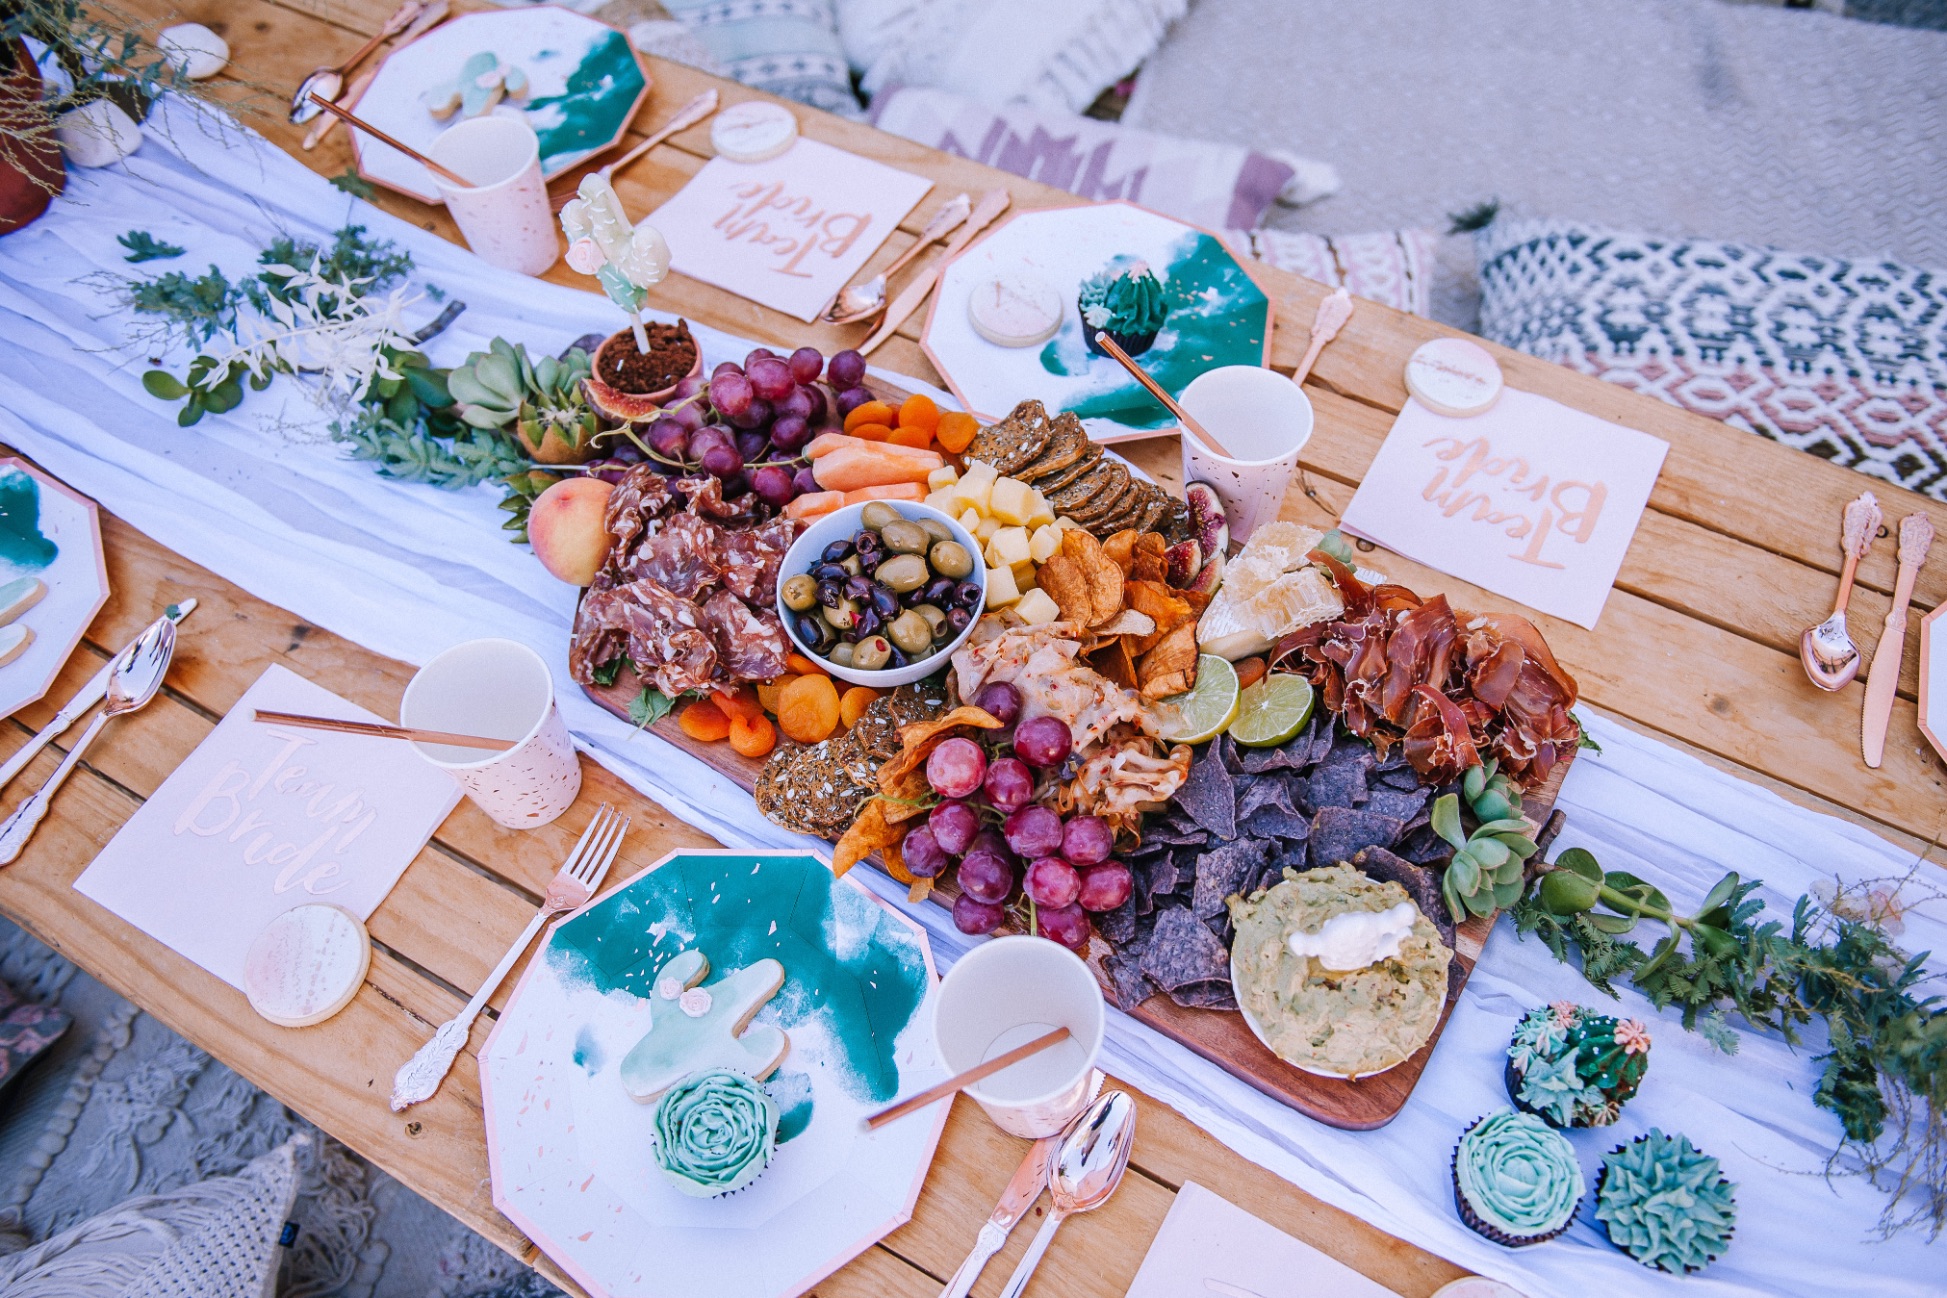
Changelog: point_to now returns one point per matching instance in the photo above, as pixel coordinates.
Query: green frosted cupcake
(1515, 1181)
(1664, 1202)
(715, 1133)
(1572, 1067)
(1125, 301)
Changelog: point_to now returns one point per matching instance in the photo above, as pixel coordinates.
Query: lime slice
(1209, 706)
(1272, 711)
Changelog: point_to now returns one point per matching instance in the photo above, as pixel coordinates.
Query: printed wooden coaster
(306, 965)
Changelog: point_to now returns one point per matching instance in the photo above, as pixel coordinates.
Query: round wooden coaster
(753, 131)
(1451, 376)
(306, 965)
(1014, 309)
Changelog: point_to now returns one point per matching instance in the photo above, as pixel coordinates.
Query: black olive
(838, 551)
(831, 593)
(870, 551)
(859, 588)
(898, 658)
(938, 592)
(866, 622)
(958, 618)
(884, 601)
(966, 594)
(830, 572)
(864, 537)
(813, 631)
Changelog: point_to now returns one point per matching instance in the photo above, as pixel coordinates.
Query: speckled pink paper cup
(497, 689)
(505, 215)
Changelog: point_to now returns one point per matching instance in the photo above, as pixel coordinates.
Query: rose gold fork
(418, 1078)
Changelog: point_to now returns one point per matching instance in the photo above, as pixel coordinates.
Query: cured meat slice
(639, 497)
(704, 495)
(752, 558)
(666, 639)
(682, 553)
(749, 642)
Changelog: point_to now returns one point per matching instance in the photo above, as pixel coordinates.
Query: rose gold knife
(914, 295)
(1883, 681)
(1029, 1180)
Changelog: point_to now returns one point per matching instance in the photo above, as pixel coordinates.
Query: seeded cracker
(1015, 441)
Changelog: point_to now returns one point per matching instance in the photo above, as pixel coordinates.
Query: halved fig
(1206, 581)
(1207, 514)
(1184, 561)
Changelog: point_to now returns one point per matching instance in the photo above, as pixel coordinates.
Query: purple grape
(1052, 882)
(755, 415)
(721, 461)
(669, 439)
(1087, 840)
(769, 377)
(691, 416)
(974, 917)
(1067, 925)
(847, 369)
(798, 401)
(956, 767)
(737, 484)
(954, 826)
(773, 486)
(1043, 741)
(691, 384)
(1033, 832)
(805, 483)
(731, 394)
(807, 363)
(999, 699)
(611, 473)
(851, 399)
(922, 853)
(728, 367)
(790, 434)
(752, 446)
(822, 400)
(984, 876)
(626, 452)
(757, 354)
(1105, 886)
(1009, 784)
(708, 436)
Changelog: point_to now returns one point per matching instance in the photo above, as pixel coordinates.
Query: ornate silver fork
(418, 1078)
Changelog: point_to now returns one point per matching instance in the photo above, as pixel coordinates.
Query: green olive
(871, 653)
(903, 572)
(842, 617)
(841, 653)
(934, 528)
(934, 618)
(800, 592)
(903, 537)
(950, 559)
(851, 564)
(877, 514)
(911, 632)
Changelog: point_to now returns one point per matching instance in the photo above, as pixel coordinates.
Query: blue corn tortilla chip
(1183, 951)
(1343, 785)
(1395, 802)
(1263, 791)
(1420, 883)
(1339, 832)
(1294, 754)
(1209, 796)
(1152, 879)
(1424, 847)
(1212, 995)
(1227, 750)
(1276, 822)
(1118, 926)
(1225, 870)
(1128, 985)
(1405, 779)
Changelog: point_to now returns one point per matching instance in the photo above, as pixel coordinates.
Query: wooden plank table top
(1737, 553)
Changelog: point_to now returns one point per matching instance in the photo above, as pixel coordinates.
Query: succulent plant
(540, 402)
(1485, 872)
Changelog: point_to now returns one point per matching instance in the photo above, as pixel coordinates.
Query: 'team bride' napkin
(1210, 1248)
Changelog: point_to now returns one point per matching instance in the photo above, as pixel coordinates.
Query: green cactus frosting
(715, 1133)
(1517, 1175)
(1665, 1204)
(1124, 298)
(1574, 1067)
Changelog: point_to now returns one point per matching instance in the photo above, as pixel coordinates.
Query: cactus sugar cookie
(694, 1028)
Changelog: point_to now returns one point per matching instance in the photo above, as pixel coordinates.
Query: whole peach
(565, 527)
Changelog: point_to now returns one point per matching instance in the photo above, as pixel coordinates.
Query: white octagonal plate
(573, 1155)
(1218, 316)
(585, 85)
(49, 531)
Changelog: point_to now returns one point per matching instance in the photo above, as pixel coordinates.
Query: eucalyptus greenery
(143, 246)
(103, 53)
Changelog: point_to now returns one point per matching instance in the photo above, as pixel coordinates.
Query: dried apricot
(918, 411)
(1249, 672)
(871, 412)
(704, 720)
(807, 709)
(854, 703)
(803, 666)
(918, 438)
(767, 691)
(956, 431)
(871, 432)
(740, 701)
(752, 736)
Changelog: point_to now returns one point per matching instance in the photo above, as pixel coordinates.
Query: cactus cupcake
(1515, 1181)
(1124, 300)
(1664, 1203)
(1572, 1067)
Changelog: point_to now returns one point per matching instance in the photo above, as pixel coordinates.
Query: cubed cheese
(1036, 607)
(943, 500)
(1041, 513)
(1066, 522)
(976, 485)
(1007, 547)
(1024, 576)
(1010, 500)
(986, 530)
(1045, 543)
(944, 476)
(1001, 590)
(969, 518)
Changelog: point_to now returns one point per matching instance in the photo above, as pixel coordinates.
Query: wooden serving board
(1220, 1036)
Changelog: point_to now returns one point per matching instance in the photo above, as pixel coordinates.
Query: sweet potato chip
(869, 833)
(1171, 667)
(1117, 661)
(1149, 561)
(1128, 622)
(1104, 578)
(1121, 548)
(1067, 585)
(1168, 609)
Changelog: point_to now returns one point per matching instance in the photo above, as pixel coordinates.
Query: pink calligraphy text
(1506, 492)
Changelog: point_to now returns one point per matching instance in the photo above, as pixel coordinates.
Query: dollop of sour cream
(1357, 939)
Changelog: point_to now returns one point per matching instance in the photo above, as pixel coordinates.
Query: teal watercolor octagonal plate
(585, 87)
(50, 532)
(573, 1154)
(1218, 316)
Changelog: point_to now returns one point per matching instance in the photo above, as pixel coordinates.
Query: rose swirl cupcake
(715, 1133)
(1515, 1181)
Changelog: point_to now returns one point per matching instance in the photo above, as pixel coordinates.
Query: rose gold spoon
(856, 302)
(1330, 317)
(1831, 658)
(326, 82)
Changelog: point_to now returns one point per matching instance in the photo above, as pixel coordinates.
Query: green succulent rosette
(1574, 1067)
(1516, 1180)
(715, 1133)
(1665, 1203)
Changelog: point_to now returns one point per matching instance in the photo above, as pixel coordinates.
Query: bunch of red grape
(748, 424)
(1064, 867)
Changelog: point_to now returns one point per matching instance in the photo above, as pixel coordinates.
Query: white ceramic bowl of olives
(882, 592)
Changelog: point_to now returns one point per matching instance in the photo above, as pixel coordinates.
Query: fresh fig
(1207, 514)
(1207, 580)
(1184, 561)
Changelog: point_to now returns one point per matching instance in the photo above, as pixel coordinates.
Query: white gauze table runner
(408, 570)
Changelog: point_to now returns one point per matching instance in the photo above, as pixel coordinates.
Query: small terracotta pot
(631, 407)
(31, 173)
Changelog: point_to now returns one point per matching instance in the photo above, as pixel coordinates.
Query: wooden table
(1697, 646)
